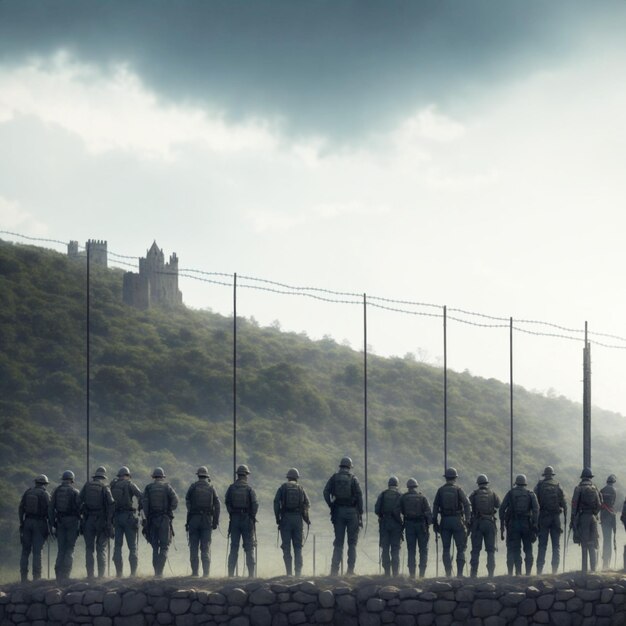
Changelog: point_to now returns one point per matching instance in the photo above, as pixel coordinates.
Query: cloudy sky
(462, 153)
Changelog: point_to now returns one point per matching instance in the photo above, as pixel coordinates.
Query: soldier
(203, 517)
(551, 504)
(33, 516)
(417, 516)
(344, 497)
(64, 518)
(242, 506)
(159, 503)
(97, 520)
(125, 521)
(586, 504)
(520, 513)
(291, 507)
(608, 520)
(452, 505)
(484, 503)
(623, 520)
(387, 508)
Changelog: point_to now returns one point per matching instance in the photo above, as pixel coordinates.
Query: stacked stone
(562, 602)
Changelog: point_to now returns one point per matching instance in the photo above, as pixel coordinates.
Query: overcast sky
(462, 153)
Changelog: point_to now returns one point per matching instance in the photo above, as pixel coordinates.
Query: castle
(156, 283)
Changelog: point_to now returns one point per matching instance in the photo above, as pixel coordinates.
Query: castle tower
(97, 252)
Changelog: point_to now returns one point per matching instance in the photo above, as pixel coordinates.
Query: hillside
(162, 395)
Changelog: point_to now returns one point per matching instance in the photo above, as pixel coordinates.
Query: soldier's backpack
(120, 489)
(484, 502)
(588, 498)
(33, 503)
(94, 496)
(549, 497)
(413, 505)
(239, 497)
(343, 488)
(292, 497)
(157, 498)
(64, 499)
(390, 501)
(449, 500)
(521, 502)
(202, 497)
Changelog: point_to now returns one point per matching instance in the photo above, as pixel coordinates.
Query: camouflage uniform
(64, 517)
(242, 506)
(159, 503)
(97, 512)
(551, 505)
(520, 512)
(33, 516)
(387, 508)
(417, 516)
(586, 504)
(291, 507)
(484, 503)
(125, 521)
(203, 517)
(452, 505)
(344, 497)
(608, 520)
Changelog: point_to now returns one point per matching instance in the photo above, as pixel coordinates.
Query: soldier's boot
(459, 570)
(490, 571)
(448, 572)
(540, 570)
(529, 570)
(288, 562)
(194, 567)
(473, 571)
(350, 571)
(422, 571)
(36, 575)
(133, 565)
(411, 572)
(298, 572)
(387, 571)
(206, 566)
(509, 570)
(395, 570)
(119, 571)
(24, 575)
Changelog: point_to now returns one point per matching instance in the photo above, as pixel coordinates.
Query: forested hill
(162, 395)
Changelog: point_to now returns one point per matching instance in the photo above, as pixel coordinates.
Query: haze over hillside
(162, 395)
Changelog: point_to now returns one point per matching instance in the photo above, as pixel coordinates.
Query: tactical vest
(34, 503)
(449, 500)
(343, 489)
(94, 496)
(292, 497)
(484, 503)
(413, 505)
(120, 489)
(157, 498)
(202, 497)
(587, 500)
(390, 501)
(64, 499)
(521, 502)
(239, 496)
(548, 497)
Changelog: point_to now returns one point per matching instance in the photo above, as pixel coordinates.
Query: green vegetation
(161, 384)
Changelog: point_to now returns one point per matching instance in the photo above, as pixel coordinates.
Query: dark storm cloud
(334, 67)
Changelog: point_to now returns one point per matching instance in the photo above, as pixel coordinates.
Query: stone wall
(561, 601)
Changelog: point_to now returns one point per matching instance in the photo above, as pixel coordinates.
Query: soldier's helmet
(482, 479)
(346, 462)
(68, 475)
(123, 471)
(42, 479)
(586, 473)
(412, 483)
(158, 473)
(451, 473)
(611, 479)
(101, 472)
(549, 471)
(393, 481)
(243, 470)
(520, 479)
(293, 474)
(202, 472)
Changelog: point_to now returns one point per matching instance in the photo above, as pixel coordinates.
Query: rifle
(614, 543)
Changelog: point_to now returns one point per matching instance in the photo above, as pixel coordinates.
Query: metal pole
(445, 388)
(511, 391)
(88, 382)
(586, 402)
(235, 376)
(365, 399)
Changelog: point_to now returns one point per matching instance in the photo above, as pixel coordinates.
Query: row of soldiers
(101, 511)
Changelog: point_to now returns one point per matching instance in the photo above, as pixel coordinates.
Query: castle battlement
(97, 248)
